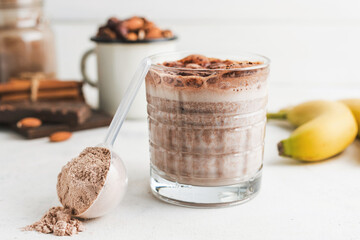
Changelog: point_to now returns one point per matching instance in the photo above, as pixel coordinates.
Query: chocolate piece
(97, 119)
(69, 112)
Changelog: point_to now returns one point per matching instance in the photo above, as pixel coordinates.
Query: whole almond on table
(29, 123)
(60, 136)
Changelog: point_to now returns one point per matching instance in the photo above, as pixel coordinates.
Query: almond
(148, 25)
(60, 136)
(131, 36)
(167, 34)
(154, 33)
(29, 123)
(134, 23)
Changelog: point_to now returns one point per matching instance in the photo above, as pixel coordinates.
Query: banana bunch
(324, 128)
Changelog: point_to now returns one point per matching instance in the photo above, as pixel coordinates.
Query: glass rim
(266, 61)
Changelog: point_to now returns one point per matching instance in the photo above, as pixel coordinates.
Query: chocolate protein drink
(207, 119)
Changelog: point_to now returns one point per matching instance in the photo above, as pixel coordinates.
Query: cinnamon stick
(16, 85)
(72, 93)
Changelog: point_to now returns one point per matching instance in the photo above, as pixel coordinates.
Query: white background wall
(313, 42)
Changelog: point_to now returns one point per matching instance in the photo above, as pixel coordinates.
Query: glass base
(201, 196)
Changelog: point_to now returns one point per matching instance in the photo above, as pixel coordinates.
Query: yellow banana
(354, 105)
(325, 128)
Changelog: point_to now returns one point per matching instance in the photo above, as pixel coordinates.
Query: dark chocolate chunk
(69, 112)
(97, 119)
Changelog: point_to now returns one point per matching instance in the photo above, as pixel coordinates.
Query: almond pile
(131, 29)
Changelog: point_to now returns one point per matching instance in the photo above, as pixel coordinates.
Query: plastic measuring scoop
(116, 179)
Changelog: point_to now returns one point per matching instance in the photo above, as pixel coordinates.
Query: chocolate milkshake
(207, 122)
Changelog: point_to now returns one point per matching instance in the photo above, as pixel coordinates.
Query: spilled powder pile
(58, 221)
(81, 179)
(79, 183)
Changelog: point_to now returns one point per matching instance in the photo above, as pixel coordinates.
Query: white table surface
(296, 201)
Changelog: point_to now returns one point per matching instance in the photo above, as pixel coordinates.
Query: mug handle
(83, 67)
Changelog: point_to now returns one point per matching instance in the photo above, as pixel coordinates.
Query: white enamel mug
(116, 63)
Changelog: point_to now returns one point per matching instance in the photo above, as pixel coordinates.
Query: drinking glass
(206, 130)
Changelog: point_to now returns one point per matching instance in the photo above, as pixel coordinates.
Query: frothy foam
(217, 86)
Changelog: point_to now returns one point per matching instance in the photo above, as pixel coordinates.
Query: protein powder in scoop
(81, 180)
(79, 184)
